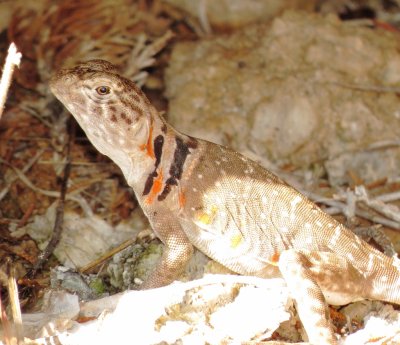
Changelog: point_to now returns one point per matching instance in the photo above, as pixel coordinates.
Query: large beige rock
(236, 13)
(297, 91)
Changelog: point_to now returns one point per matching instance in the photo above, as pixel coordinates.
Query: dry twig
(58, 225)
(385, 216)
(389, 211)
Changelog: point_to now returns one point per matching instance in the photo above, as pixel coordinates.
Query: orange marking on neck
(156, 188)
(182, 199)
(149, 144)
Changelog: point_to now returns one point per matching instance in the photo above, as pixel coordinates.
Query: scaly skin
(196, 193)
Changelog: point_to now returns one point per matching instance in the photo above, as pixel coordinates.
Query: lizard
(196, 193)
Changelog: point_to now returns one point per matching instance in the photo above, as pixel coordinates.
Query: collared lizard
(197, 193)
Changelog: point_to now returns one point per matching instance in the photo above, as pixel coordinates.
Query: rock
(237, 13)
(303, 90)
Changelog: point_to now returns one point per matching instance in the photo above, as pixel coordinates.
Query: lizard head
(112, 110)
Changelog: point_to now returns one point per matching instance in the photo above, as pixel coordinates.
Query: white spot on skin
(264, 199)
(217, 184)
(219, 200)
(295, 201)
(336, 236)
(121, 141)
(358, 240)
(350, 256)
(194, 189)
(370, 263)
(193, 209)
(200, 176)
(217, 162)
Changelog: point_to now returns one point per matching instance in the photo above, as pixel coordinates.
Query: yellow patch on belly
(236, 240)
(207, 217)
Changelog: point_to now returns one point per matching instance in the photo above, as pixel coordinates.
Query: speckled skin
(198, 193)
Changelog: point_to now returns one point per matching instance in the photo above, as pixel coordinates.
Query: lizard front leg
(176, 252)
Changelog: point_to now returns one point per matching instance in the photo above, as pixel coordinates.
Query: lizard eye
(103, 90)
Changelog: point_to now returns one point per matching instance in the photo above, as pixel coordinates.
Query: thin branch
(341, 207)
(394, 196)
(87, 268)
(58, 225)
(389, 211)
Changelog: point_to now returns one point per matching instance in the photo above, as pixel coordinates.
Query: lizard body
(197, 193)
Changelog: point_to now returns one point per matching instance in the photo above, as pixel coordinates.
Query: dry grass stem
(13, 59)
(14, 302)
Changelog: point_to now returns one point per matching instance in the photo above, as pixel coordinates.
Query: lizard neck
(157, 165)
(145, 152)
